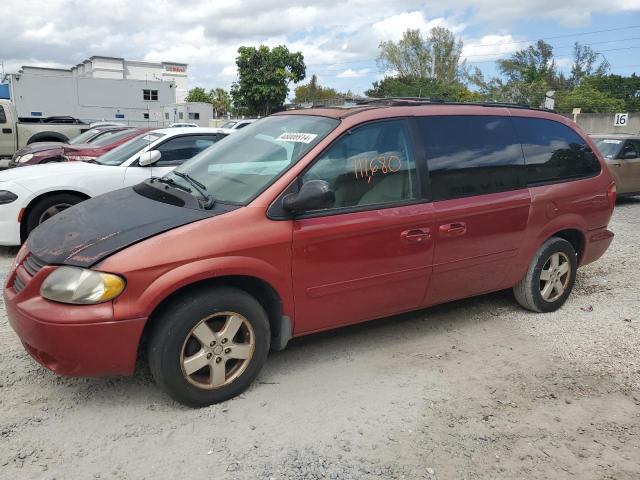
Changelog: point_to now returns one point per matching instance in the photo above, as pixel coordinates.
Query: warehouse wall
(604, 123)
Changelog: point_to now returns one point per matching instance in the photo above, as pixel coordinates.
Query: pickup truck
(16, 132)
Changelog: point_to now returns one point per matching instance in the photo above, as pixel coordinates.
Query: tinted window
(372, 165)
(631, 148)
(471, 155)
(554, 152)
(3, 117)
(178, 149)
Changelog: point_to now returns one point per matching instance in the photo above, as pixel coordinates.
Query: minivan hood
(90, 231)
(40, 146)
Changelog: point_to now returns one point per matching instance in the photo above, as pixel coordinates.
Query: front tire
(48, 207)
(550, 277)
(209, 345)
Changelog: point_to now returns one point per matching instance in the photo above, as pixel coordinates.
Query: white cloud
(349, 73)
(490, 48)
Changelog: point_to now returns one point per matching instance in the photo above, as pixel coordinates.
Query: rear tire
(209, 345)
(550, 277)
(49, 207)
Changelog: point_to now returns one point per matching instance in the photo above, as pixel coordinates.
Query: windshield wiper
(201, 188)
(172, 183)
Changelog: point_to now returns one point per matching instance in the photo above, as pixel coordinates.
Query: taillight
(611, 194)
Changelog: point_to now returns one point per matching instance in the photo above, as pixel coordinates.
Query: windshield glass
(84, 137)
(238, 168)
(113, 136)
(228, 124)
(124, 152)
(609, 147)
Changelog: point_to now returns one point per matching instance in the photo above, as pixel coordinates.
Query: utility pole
(433, 61)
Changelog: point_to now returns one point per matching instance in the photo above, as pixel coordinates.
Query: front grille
(30, 266)
(33, 264)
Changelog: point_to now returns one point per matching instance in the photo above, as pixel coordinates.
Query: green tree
(422, 87)
(532, 64)
(589, 100)
(316, 94)
(585, 64)
(264, 76)
(221, 101)
(626, 89)
(198, 94)
(438, 55)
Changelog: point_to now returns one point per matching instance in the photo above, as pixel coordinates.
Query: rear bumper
(68, 340)
(597, 242)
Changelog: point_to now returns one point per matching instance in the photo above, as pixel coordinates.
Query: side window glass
(179, 149)
(554, 152)
(471, 155)
(372, 165)
(630, 150)
(3, 117)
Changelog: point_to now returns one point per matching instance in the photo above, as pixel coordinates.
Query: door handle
(454, 229)
(6, 130)
(617, 164)
(416, 235)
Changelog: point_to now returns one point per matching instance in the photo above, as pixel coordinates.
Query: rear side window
(471, 155)
(3, 117)
(554, 152)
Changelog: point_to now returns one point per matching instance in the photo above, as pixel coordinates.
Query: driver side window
(372, 165)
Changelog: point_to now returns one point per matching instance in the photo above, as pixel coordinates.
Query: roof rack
(418, 101)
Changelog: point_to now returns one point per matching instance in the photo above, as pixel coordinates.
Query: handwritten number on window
(368, 167)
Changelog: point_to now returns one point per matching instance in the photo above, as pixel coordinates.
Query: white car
(31, 195)
(182, 125)
(235, 124)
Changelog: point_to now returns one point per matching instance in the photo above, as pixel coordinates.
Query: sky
(339, 39)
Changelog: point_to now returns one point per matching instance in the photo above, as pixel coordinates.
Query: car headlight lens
(81, 286)
(7, 197)
(24, 158)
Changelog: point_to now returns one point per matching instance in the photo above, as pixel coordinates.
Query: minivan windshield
(124, 152)
(609, 147)
(238, 168)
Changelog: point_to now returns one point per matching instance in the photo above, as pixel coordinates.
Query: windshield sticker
(150, 138)
(616, 142)
(297, 137)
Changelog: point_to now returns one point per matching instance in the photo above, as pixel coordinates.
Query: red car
(108, 139)
(306, 221)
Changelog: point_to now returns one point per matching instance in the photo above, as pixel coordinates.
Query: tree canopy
(264, 76)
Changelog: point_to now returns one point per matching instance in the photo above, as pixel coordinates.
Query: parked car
(181, 125)
(16, 133)
(109, 139)
(307, 221)
(29, 196)
(237, 124)
(622, 154)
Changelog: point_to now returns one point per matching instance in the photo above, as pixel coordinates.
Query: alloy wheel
(555, 276)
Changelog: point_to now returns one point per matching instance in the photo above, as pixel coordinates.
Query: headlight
(7, 197)
(24, 158)
(81, 286)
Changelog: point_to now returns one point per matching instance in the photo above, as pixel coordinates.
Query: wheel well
(264, 293)
(27, 210)
(575, 238)
(47, 137)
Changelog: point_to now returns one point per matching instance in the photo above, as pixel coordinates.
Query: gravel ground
(473, 389)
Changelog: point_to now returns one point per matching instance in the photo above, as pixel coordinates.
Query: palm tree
(221, 101)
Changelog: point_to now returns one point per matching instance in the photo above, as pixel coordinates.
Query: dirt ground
(473, 389)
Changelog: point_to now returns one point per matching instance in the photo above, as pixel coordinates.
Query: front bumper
(76, 340)
(9, 216)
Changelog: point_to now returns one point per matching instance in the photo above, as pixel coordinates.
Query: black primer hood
(92, 230)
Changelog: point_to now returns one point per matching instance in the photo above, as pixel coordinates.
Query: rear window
(471, 155)
(554, 152)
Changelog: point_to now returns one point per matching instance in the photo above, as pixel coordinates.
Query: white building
(100, 88)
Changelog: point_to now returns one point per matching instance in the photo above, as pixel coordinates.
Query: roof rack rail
(417, 101)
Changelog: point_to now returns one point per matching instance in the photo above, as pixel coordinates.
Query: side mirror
(149, 158)
(314, 195)
(630, 155)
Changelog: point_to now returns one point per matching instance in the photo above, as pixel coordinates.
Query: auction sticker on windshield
(297, 137)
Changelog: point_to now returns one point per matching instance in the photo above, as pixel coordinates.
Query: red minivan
(306, 221)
